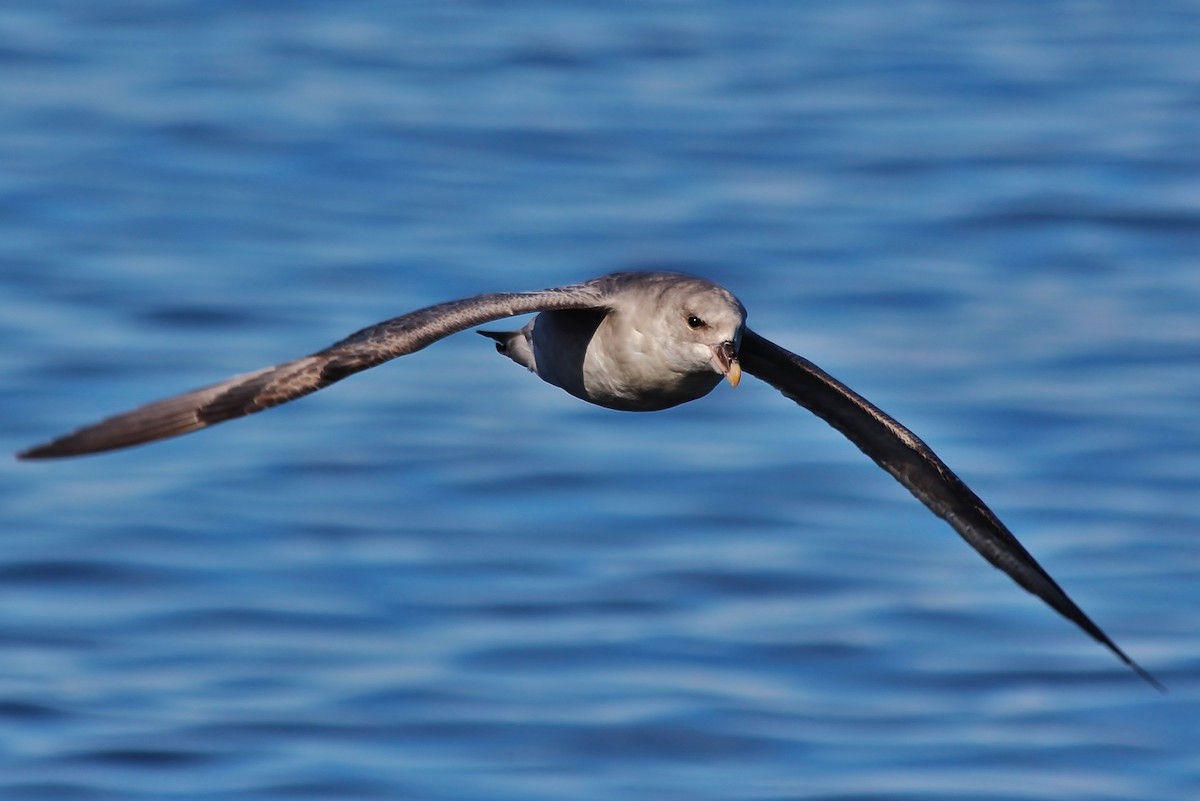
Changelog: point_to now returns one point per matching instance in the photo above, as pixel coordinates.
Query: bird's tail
(516, 345)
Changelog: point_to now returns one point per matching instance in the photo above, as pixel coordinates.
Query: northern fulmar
(632, 341)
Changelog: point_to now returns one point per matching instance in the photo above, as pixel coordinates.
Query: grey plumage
(629, 341)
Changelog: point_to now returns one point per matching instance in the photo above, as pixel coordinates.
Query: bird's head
(710, 320)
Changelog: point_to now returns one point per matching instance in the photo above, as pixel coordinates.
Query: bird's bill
(725, 360)
(734, 375)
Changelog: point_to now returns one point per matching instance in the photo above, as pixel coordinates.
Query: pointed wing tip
(1146, 675)
(1076, 616)
(55, 449)
(43, 451)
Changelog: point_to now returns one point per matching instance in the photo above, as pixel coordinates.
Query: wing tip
(1143, 674)
(1097, 634)
(46, 450)
(54, 449)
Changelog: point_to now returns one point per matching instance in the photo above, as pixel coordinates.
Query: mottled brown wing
(900, 452)
(252, 392)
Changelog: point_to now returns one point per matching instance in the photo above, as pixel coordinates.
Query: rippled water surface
(445, 580)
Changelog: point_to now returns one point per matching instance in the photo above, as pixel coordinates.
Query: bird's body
(627, 356)
(626, 341)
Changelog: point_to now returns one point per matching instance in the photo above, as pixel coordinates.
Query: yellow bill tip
(734, 374)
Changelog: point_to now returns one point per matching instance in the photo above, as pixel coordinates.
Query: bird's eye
(694, 321)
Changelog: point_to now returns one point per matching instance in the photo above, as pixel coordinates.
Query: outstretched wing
(252, 392)
(901, 453)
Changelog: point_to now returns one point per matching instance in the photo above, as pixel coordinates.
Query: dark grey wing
(252, 392)
(901, 453)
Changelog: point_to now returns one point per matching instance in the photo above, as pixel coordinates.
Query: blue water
(444, 580)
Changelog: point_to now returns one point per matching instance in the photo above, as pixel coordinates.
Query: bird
(630, 341)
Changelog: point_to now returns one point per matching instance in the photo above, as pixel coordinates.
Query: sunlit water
(446, 580)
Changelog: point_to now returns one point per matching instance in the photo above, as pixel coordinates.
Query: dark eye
(694, 321)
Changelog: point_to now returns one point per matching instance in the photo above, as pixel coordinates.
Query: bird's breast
(585, 354)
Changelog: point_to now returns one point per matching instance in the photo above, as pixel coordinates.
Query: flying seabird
(632, 341)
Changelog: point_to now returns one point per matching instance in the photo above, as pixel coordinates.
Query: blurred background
(445, 580)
